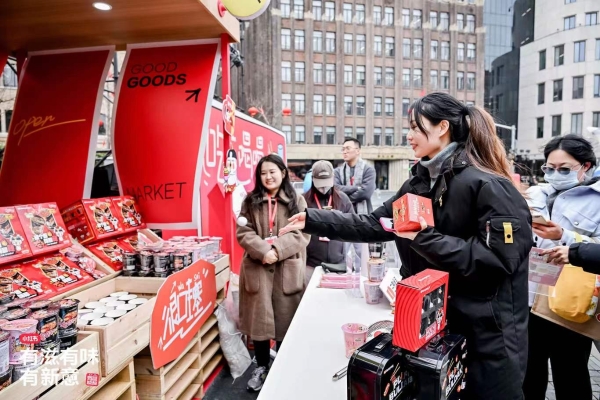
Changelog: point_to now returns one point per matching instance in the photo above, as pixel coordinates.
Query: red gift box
(13, 244)
(92, 219)
(408, 209)
(420, 311)
(128, 213)
(59, 273)
(111, 252)
(43, 227)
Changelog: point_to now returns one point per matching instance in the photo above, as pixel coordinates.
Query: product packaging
(92, 219)
(111, 252)
(13, 245)
(128, 213)
(59, 273)
(408, 209)
(43, 227)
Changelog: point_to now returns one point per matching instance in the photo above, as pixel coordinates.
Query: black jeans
(568, 352)
(262, 352)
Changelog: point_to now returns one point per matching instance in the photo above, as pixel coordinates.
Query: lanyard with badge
(272, 215)
(327, 207)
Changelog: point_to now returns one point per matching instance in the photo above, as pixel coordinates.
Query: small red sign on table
(183, 304)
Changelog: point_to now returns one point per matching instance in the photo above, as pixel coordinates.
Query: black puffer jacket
(586, 256)
(488, 273)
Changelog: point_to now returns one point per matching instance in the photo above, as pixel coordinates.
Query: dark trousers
(568, 352)
(262, 352)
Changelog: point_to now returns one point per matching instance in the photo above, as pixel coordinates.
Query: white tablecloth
(313, 349)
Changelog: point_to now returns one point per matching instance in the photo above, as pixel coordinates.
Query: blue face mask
(563, 182)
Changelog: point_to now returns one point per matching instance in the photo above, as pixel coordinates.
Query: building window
(389, 106)
(389, 16)
(470, 23)
(418, 48)
(499, 102)
(318, 104)
(286, 100)
(285, 8)
(460, 22)
(299, 40)
(445, 80)
(559, 55)
(286, 71)
(577, 123)
(405, 107)
(329, 11)
(317, 41)
(433, 19)
(389, 47)
(360, 135)
(470, 81)
(444, 21)
(330, 130)
(389, 136)
(434, 50)
(330, 105)
(378, 47)
(406, 17)
(360, 14)
(460, 81)
(569, 22)
(471, 52)
(286, 39)
(597, 49)
(360, 106)
(330, 42)
(461, 52)
(405, 136)
(540, 128)
(556, 125)
(578, 87)
(377, 76)
(579, 52)
(317, 10)
(591, 18)
(445, 51)
(377, 15)
(377, 136)
(377, 106)
(433, 79)
(299, 72)
(570, 1)
(348, 43)
(299, 9)
(418, 19)
(596, 85)
(361, 75)
(287, 130)
(317, 134)
(406, 48)
(348, 74)
(595, 119)
(348, 104)
(541, 93)
(418, 77)
(347, 13)
(300, 134)
(557, 90)
(330, 74)
(542, 59)
(406, 77)
(9, 79)
(361, 44)
(318, 73)
(300, 103)
(389, 76)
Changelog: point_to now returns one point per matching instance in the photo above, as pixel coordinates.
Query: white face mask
(324, 190)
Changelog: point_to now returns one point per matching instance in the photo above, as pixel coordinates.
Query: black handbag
(336, 268)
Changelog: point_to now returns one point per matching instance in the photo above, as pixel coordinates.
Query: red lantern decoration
(252, 111)
(287, 112)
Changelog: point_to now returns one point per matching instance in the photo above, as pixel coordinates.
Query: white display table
(313, 349)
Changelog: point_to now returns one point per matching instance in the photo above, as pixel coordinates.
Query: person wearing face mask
(323, 195)
(570, 204)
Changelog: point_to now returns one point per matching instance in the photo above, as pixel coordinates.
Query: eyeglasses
(348, 149)
(562, 170)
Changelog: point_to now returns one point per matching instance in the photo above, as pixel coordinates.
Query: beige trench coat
(270, 294)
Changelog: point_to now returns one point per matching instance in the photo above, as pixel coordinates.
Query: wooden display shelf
(119, 385)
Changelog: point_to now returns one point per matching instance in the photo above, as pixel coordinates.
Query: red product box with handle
(420, 311)
(13, 244)
(408, 209)
(43, 227)
(128, 213)
(92, 219)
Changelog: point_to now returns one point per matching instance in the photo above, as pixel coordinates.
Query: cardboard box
(110, 252)
(128, 213)
(43, 227)
(420, 308)
(77, 223)
(408, 209)
(13, 244)
(92, 219)
(60, 273)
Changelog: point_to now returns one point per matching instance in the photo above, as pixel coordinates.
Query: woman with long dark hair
(482, 238)
(272, 272)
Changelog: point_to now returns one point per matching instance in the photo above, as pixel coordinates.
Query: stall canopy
(29, 25)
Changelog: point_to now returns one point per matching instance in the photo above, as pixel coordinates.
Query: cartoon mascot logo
(246, 9)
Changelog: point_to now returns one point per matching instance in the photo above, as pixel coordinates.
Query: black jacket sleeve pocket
(503, 236)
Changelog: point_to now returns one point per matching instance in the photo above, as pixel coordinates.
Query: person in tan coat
(272, 271)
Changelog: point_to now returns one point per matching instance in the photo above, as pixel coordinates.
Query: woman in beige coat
(272, 272)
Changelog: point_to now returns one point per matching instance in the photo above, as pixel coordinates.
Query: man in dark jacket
(584, 255)
(355, 177)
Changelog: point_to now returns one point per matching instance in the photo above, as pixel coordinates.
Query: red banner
(183, 304)
(161, 109)
(51, 143)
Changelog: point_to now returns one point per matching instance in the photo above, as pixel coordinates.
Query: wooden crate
(65, 363)
(119, 386)
(177, 380)
(129, 334)
(211, 351)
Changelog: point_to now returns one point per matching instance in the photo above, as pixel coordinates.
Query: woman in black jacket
(584, 255)
(482, 237)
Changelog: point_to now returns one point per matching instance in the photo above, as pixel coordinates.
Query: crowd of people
(463, 168)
